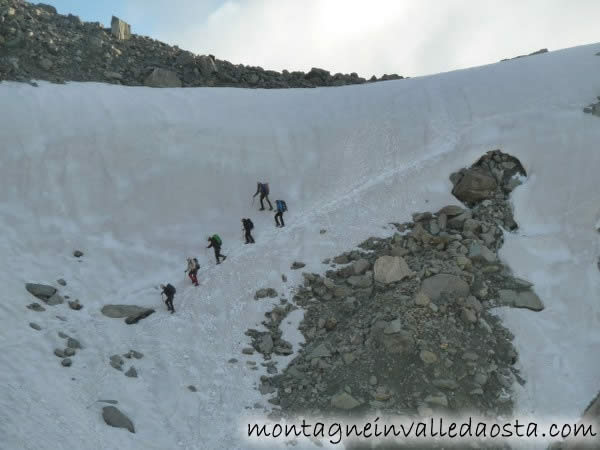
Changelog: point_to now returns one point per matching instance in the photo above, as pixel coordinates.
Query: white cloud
(409, 37)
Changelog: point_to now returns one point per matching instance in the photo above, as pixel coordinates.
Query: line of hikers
(215, 242)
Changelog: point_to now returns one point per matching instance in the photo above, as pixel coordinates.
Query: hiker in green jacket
(215, 243)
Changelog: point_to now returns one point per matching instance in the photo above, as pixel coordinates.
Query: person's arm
(257, 191)
(210, 245)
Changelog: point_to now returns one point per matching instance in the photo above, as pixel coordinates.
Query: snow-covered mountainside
(137, 178)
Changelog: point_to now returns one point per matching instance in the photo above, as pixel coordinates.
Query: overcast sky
(408, 37)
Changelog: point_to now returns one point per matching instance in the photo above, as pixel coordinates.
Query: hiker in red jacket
(263, 190)
(192, 270)
(215, 243)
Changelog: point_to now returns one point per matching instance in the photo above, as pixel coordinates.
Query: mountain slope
(137, 178)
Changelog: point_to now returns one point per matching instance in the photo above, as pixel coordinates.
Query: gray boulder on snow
(119, 311)
(135, 318)
(520, 299)
(47, 294)
(266, 292)
(115, 418)
(475, 185)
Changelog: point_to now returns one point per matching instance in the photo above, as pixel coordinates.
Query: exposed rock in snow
(115, 418)
(47, 294)
(36, 307)
(520, 299)
(119, 311)
(136, 317)
(266, 292)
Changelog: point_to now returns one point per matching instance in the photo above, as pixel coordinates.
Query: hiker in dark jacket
(192, 270)
(281, 208)
(214, 243)
(169, 292)
(263, 190)
(248, 225)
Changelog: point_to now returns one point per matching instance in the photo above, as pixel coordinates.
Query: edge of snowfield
(137, 178)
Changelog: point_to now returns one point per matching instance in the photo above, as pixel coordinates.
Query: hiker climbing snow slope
(263, 190)
(215, 243)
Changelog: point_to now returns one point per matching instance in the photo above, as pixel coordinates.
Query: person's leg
(277, 218)
(217, 255)
(194, 278)
(248, 237)
(262, 206)
(251, 238)
(281, 217)
(269, 202)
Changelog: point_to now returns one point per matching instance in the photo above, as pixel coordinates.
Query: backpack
(170, 289)
(196, 263)
(250, 224)
(217, 239)
(264, 188)
(281, 206)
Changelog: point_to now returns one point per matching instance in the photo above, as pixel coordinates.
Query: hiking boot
(261, 209)
(271, 208)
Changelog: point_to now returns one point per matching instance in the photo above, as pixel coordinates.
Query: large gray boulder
(47, 294)
(119, 311)
(475, 185)
(206, 65)
(443, 283)
(389, 269)
(135, 318)
(115, 418)
(162, 78)
(451, 211)
(41, 291)
(520, 299)
(120, 29)
(481, 254)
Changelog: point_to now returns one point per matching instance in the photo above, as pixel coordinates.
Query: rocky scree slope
(403, 326)
(36, 43)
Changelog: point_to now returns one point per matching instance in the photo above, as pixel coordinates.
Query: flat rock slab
(389, 269)
(344, 401)
(115, 418)
(41, 291)
(47, 294)
(443, 283)
(119, 311)
(520, 299)
(266, 292)
(135, 318)
(36, 307)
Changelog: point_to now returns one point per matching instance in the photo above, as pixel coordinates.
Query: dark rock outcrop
(37, 43)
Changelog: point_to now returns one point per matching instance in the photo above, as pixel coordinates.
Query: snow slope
(137, 178)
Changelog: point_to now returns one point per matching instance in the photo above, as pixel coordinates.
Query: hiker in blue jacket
(263, 190)
(215, 243)
(281, 208)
